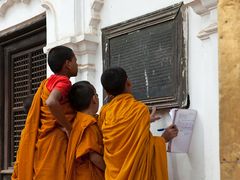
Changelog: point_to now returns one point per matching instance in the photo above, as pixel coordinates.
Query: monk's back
(125, 129)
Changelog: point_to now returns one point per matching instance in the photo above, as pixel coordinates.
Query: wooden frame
(169, 14)
(20, 38)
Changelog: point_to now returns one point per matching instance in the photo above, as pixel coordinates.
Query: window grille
(29, 69)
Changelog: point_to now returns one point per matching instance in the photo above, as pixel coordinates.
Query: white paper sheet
(184, 119)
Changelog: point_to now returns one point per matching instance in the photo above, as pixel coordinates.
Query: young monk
(130, 150)
(42, 149)
(85, 148)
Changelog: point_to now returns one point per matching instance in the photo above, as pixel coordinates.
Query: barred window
(23, 67)
(29, 69)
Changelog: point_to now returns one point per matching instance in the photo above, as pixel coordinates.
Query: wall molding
(205, 8)
(96, 8)
(6, 4)
(206, 32)
(202, 7)
(51, 17)
(48, 6)
(84, 46)
(86, 67)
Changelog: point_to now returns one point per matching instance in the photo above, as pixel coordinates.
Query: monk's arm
(170, 133)
(154, 116)
(97, 160)
(57, 110)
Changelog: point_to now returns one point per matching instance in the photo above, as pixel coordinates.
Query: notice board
(151, 49)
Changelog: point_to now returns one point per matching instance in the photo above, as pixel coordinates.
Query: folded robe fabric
(42, 148)
(130, 150)
(85, 137)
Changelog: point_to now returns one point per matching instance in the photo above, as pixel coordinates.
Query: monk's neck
(63, 73)
(127, 90)
(89, 112)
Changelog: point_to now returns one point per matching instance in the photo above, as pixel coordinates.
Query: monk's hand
(170, 132)
(153, 115)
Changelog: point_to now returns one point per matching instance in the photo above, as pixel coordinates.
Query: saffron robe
(85, 137)
(130, 150)
(42, 148)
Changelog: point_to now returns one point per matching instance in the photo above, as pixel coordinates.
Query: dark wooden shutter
(29, 69)
(23, 67)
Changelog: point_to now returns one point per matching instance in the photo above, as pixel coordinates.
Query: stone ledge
(82, 44)
(201, 7)
(206, 32)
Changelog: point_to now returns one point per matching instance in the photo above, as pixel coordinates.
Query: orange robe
(130, 150)
(42, 148)
(85, 137)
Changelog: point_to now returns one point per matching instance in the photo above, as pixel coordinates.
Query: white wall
(203, 87)
(117, 11)
(20, 12)
(67, 21)
(202, 161)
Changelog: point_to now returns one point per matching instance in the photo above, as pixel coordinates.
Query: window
(22, 68)
(28, 70)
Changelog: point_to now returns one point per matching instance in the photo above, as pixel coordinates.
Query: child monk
(130, 150)
(85, 148)
(42, 149)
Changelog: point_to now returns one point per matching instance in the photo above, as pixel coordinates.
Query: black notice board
(151, 49)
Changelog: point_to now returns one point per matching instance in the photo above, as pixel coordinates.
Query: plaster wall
(19, 12)
(78, 25)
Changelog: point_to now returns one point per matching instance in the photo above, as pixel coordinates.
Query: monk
(85, 148)
(130, 150)
(42, 148)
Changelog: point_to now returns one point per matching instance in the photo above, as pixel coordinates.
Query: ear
(128, 85)
(94, 99)
(68, 63)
